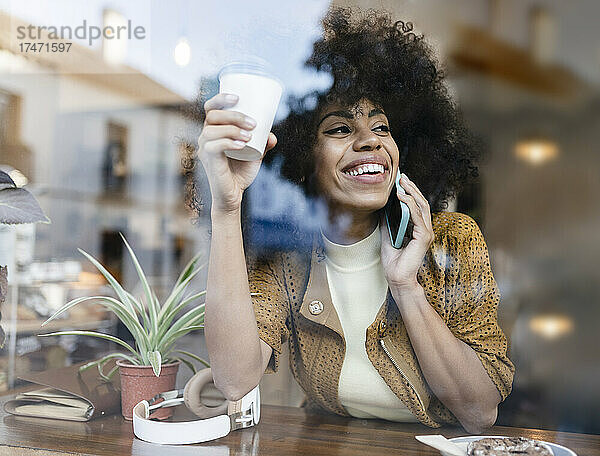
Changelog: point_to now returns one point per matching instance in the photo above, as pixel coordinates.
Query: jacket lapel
(317, 291)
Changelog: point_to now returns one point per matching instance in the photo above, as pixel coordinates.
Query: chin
(367, 204)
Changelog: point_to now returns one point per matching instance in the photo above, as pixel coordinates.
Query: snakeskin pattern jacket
(293, 304)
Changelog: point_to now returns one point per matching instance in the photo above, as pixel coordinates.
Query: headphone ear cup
(192, 396)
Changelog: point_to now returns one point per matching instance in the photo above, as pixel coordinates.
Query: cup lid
(249, 65)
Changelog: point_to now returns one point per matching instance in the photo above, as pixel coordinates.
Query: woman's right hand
(225, 130)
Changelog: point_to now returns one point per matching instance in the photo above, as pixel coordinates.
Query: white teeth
(368, 168)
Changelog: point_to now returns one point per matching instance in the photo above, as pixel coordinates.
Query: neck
(348, 226)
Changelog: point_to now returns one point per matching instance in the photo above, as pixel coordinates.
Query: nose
(367, 141)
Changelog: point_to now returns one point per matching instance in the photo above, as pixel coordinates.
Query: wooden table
(281, 431)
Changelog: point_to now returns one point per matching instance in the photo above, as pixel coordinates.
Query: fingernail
(239, 143)
(230, 98)
(245, 134)
(250, 121)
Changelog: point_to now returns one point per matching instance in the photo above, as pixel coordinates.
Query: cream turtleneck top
(358, 288)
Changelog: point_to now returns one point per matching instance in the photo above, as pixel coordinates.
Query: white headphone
(216, 421)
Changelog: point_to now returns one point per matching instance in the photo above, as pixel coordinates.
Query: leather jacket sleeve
(270, 302)
(472, 316)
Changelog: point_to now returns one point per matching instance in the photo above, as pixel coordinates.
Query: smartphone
(397, 217)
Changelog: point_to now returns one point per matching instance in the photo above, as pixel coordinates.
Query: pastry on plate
(508, 446)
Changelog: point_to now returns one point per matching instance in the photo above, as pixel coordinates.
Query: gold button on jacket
(292, 303)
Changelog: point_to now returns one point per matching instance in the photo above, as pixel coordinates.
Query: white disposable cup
(259, 94)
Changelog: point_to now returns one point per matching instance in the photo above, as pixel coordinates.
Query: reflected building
(104, 148)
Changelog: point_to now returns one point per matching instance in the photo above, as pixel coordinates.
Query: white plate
(463, 442)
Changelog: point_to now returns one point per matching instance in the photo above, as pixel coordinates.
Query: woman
(374, 332)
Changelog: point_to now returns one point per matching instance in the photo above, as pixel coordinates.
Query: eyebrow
(348, 114)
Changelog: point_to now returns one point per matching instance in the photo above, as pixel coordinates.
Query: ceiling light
(536, 151)
(182, 52)
(551, 326)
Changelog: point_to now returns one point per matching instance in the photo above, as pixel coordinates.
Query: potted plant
(17, 206)
(149, 367)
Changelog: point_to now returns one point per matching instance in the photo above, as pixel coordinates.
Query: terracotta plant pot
(139, 383)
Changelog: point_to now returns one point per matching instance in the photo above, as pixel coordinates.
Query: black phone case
(393, 199)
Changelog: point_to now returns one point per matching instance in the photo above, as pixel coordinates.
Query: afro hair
(368, 55)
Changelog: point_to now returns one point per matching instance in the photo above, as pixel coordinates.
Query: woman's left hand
(401, 265)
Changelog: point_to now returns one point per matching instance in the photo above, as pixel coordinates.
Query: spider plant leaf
(91, 364)
(112, 372)
(68, 305)
(175, 294)
(111, 280)
(189, 268)
(156, 301)
(108, 376)
(188, 273)
(168, 319)
(155, 361)
(100, 367)
(187, 319)
(169, 340)
(141, 310)
(93, 334)
(137, 305)
(154, 331)
(119, 309)
(194, 357)
(187, 363)
(147, 290)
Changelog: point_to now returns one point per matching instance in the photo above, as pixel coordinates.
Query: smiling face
(355, 156)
